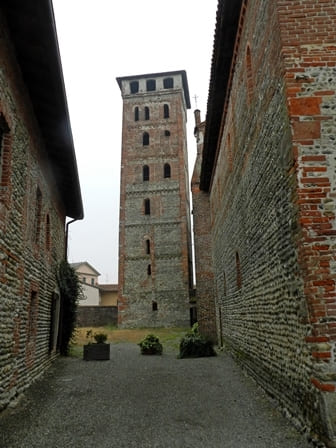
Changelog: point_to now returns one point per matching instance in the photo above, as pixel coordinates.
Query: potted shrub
(194, 345)
(150, 345)
(98, 350)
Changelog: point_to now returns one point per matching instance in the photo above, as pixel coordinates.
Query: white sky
(99, 41)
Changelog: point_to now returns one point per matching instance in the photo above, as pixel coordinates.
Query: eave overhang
(228, 13)
(33, 35)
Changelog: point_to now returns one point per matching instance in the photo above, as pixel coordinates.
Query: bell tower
(155, 273)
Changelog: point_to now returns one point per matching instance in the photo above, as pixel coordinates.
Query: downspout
(66, 238)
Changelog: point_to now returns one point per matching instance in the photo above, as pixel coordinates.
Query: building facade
(39, 188)
(94, 293)
(268, 169)
(154, 236)
(205, 304)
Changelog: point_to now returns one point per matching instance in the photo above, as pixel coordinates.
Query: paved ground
(135, 401)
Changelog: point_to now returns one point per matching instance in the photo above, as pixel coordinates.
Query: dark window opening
(48, 236)
(150, 85)
(147, 206)
(4, 129)
(146, 113)
(38, 211)
(145, 139)
(167, 133)
(134, 86)
(168, 83)
(145, 173)
(154, 306)
(249, 75)
(149, 269)
(165, 111)
(166, 170)
(136, 114)
(238, 272)
(1, 150)
(92, 281)
(148, 247)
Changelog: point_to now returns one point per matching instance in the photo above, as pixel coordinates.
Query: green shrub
(194, 345)
(150, 345)
(100, 338)
(71, 292)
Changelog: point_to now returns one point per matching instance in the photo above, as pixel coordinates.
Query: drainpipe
(66, 238)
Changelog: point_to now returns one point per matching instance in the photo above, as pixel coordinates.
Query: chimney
(197, 114)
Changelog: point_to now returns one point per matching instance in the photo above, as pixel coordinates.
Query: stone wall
(272, 207)
(309, 53)
(97, 316)
(31, 238)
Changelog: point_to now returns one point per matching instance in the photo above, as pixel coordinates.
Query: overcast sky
(99, 41)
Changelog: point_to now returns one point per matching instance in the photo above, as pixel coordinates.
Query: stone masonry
(32, 219)
(268, 169)
(154, 245)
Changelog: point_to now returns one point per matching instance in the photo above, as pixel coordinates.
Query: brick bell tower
(155, 273)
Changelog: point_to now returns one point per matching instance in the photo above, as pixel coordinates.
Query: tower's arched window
(154, 306)
(134, 86)
(146, 113)
(166, 170)
(145, 139)
(145, 172)
(150, 85)
(148, 247)
(147, 206)
(165, 111)
(136, 114)
(168, 83)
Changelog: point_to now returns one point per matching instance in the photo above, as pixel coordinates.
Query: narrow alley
(139, 401)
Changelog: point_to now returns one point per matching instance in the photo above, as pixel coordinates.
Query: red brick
(305, 106)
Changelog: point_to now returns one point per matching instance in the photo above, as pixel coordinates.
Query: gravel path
(135, 401)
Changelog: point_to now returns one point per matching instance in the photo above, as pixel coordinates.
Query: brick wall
(309, 51)
(272, 207)
(205, 298)
(31, 238)
(167, 227)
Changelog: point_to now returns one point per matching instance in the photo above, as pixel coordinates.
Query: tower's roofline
(156, 75)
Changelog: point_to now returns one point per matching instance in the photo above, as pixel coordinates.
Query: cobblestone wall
(96, 316)
(272, 207)
(31, 238)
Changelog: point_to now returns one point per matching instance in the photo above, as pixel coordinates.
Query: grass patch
(169, 337)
